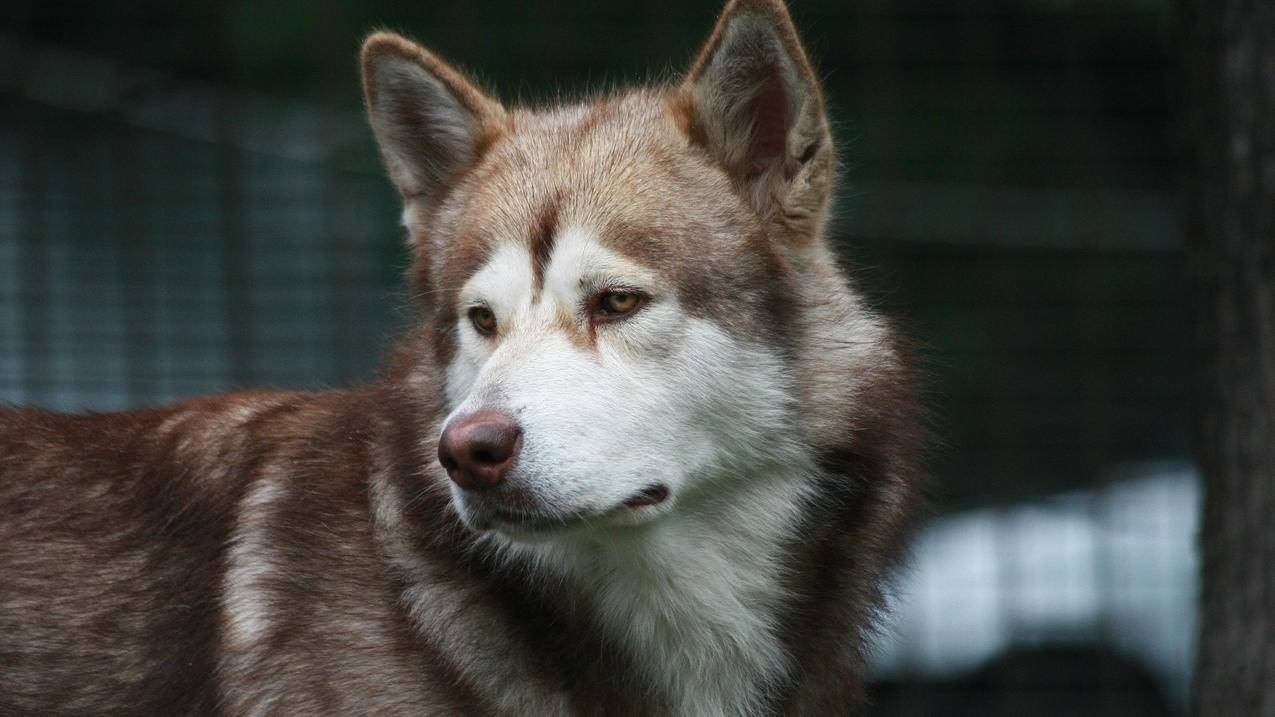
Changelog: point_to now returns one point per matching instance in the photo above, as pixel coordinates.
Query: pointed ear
(430, 121)
(756, 107)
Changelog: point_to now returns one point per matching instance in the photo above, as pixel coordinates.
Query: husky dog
(647, 451)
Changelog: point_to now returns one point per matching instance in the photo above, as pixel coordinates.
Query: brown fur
(126, 538)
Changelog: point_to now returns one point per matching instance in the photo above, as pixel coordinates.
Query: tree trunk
(1231, 230)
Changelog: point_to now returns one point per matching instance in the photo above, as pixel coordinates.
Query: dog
(645, 451)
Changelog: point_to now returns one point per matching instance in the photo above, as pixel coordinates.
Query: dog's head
(615, 288)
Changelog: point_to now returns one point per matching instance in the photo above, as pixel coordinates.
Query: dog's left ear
(755, 105)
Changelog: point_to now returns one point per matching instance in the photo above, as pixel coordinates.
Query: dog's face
(611, 285)
(616, 299)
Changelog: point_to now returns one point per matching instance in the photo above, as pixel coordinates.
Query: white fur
(696, 597)
(246, 605)
(691, 585)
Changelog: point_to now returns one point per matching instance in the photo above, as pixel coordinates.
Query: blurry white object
(1115, 566)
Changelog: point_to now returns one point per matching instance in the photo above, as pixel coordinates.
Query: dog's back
(109, 541)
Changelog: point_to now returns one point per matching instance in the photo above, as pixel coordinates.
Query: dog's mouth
(651, 495)
(530, 519)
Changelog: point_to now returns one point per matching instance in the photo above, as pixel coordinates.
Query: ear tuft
(758, 108)
(430, 121)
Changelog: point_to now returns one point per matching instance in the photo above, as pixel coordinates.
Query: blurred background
(190, 202)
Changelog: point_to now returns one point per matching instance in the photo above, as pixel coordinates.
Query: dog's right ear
(431, 123)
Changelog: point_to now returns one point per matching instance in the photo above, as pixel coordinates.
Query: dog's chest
(699, 612)
(711, 646)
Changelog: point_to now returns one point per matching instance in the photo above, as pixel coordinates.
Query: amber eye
(615, 304)
(483, 319)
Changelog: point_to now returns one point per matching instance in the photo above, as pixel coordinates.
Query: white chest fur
(695, 597)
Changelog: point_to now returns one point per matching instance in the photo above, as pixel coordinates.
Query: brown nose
(477, 450)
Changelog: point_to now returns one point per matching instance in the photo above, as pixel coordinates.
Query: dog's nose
(477, 450)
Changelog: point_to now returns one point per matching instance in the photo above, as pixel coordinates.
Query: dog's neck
(696, 597)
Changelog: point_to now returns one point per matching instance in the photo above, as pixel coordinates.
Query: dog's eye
(614, 305)
(483, 319)
(619, 302)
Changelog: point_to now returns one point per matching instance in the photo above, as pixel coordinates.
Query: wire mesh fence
(140, 265)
